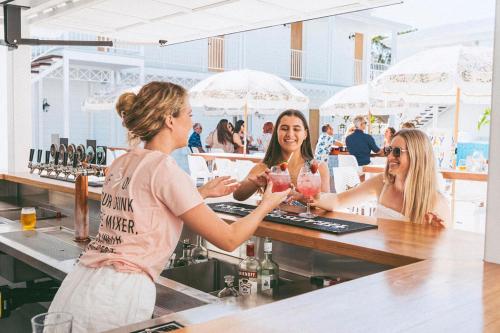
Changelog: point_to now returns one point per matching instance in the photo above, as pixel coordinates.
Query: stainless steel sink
(209, 277)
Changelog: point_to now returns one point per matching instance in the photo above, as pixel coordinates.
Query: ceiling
(147, 21)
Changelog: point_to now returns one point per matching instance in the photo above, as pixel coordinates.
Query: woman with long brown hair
(146, 199)
(407, 190)
(290, 142)
(221, 137)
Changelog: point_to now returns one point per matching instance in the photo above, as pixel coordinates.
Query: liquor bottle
(248, 272)
(269, 271)
(186, 258)
(199, 253)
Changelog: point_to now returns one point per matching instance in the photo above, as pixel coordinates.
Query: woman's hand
(434, 220)
(272, 199)
(219, 187)
(261, 179)
(326, 201)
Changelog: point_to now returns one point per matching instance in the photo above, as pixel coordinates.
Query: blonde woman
(407, 190)
(146, 199)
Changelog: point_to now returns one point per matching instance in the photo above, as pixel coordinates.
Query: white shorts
(101, 299)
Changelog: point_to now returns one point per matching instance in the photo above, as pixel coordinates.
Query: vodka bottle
(186, 258)
(248, 272)
(269, 271)
(199, 253)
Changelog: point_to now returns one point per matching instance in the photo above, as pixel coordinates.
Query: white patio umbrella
(356, 100)
(243, 92)
(444, 75)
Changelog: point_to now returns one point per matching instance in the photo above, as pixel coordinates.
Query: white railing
(296, 64)
(358, 71)
(216, 54)
(376, 69)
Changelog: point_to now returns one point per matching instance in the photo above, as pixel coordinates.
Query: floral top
(325, 143)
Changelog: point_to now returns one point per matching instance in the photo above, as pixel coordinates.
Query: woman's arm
(363, 192)
(229, 236)
(256, 178)
(440, 215)
(325, 177)
(237, 140)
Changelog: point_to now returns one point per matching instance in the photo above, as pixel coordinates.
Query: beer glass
(52, 322)
(28, 218)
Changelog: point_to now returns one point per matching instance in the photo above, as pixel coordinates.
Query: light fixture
(45, 105)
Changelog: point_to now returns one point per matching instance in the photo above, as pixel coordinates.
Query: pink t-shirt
(144, 193)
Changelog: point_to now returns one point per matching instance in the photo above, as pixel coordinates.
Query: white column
(19, 116)
(492, 243)
(65, 96)
(3, 109)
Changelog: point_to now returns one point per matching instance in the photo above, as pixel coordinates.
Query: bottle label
(268, 247)
(268, 282)
(247, 283)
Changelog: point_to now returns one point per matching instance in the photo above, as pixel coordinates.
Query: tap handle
(75, 161)
(65, 159)
(39, 155)
(56, 158)
(32, 152)
(47, 157)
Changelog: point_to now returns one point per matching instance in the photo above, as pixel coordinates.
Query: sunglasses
(396, 151)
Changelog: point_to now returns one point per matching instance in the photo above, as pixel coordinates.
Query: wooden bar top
(439, 283)
(50, 184)
(447, 173)
(229, 156)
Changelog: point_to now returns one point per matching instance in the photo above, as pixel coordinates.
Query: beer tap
(45, 165)
(30, 163)
(66, 170)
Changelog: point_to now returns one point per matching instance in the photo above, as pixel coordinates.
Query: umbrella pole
(245, 115)
(369, 121)
(455, 126)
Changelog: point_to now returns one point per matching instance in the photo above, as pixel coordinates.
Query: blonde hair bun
(125, 103)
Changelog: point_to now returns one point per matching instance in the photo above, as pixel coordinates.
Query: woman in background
(388, 136)
(407, 190)
(221, 138)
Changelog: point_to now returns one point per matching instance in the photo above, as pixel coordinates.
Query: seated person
(361, 144)
(290, 142)
(407, 190)
(195, 139)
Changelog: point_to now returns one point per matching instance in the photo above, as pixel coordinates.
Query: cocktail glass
(281, 182)
(309, 184)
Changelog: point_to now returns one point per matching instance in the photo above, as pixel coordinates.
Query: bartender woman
(145, 200)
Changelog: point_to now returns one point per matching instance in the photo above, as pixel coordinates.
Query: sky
(422, 14)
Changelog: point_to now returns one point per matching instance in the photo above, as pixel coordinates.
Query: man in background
(325, 143)
(195, 139)
(361, 144)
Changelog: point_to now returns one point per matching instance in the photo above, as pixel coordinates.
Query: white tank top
(384, 212)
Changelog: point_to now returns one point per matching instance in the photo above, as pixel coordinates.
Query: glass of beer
(28, 218)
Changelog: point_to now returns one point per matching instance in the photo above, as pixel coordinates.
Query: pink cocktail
(281, 182)
(309, 184)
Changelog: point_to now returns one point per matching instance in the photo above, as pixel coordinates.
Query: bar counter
(439, 281)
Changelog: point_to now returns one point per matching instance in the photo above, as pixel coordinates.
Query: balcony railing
(358, 71)
(376, 69)
(216, 54)
(296, 64)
